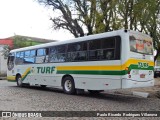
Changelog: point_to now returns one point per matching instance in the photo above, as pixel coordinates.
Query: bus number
(143, 65)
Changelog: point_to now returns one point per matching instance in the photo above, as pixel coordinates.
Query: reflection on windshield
(141, 45)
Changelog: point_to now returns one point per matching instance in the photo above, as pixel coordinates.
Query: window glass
(95, 54)
(21, 54)
(108, 42)
(81, 56)
(33, 53)
(57, 53)
(40, 52)
(57, 57)
(61, 49)
(141, 44)
(108, 54)
(19, 58)
(94, 44)
(77, 47)
(77, 51)
(72, 47)
(53, 50)
(17, 54)
(71, 56)
(29, 60)
(27, 53)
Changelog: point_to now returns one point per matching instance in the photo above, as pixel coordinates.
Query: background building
(17, 41)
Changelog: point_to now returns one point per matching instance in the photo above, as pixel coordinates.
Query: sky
(28, 18)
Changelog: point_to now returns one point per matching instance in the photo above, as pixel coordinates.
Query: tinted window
(94, 44)
(53, 50)
(108, 42)
(57, 53)
(61, 49)
(77, 51)
(95, 54)
(77, 47)
(105, 49)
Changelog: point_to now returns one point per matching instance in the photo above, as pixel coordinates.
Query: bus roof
(90, 37)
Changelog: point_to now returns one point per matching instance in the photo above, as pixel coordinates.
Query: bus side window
(29, 56)
(42, 55)
(95, 50)
(58, 53)
(108, 47)
(46, 59)
(19, 58)
(77, 51)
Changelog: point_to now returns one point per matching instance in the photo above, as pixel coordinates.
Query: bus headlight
(135, 72)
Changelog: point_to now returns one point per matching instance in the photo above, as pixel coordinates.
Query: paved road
(13, 98)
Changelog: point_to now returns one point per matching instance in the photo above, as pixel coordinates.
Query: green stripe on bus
(90, 72)
(100, 72)
(136, 67)
(26, 75)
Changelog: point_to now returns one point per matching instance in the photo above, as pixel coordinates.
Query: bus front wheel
(68, 85)
(19, 81)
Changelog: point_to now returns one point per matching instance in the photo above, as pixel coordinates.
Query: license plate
(142, 75)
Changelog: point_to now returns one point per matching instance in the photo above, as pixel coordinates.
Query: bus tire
(68, 85)
(19, 81)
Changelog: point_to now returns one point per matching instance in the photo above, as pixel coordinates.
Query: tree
(19, 42)
(142, 16)
(97, 16)
(5, 51)
(82, 17)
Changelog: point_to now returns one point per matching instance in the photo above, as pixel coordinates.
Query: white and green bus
(112, 60)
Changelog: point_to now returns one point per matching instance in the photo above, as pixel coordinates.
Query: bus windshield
(141, 44)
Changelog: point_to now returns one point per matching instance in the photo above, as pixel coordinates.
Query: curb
(142, 94)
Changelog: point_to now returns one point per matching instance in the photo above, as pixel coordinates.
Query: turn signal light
(127, 69)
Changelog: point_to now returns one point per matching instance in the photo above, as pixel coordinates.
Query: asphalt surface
(13, 98)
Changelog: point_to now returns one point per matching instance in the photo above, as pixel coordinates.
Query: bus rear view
(139, 63)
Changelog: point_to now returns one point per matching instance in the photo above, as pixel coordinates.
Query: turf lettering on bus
(45, 70)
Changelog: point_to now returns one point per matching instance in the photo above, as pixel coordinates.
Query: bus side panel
(93, 82)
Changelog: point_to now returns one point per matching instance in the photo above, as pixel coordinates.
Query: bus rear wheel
(19, 81)
(68, 85)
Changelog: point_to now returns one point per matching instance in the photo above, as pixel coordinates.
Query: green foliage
(97, 16)
(20, 42)
(5, 51)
